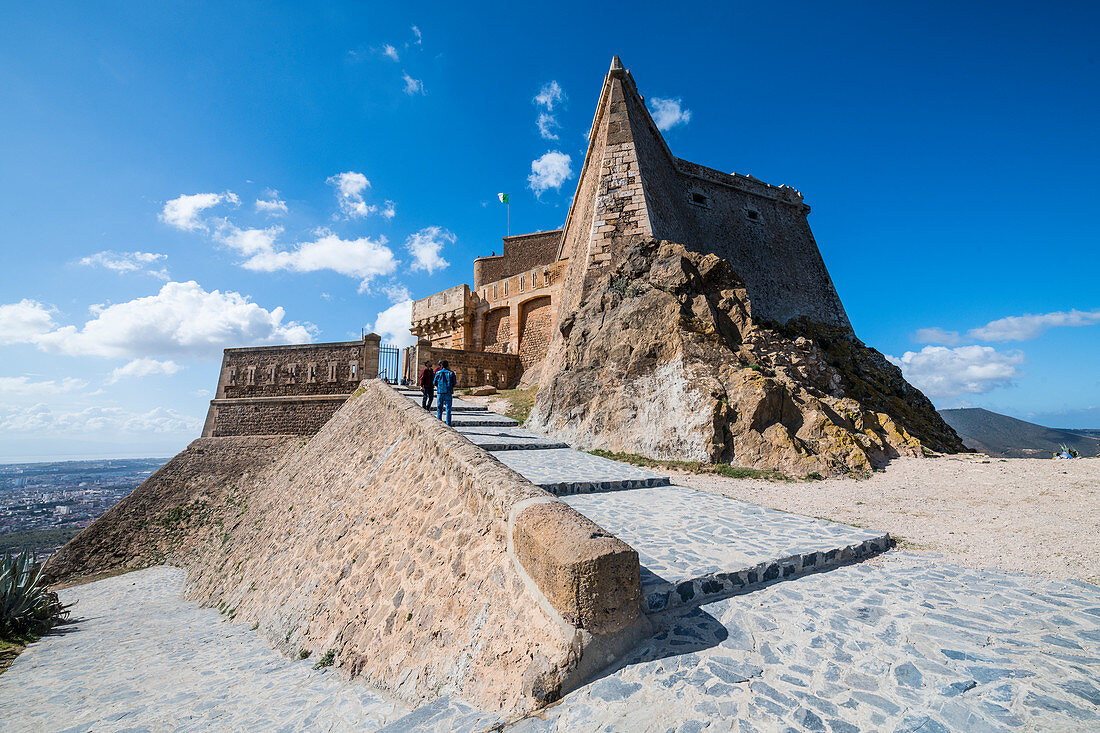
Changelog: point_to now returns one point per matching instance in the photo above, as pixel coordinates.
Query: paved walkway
(901, 643)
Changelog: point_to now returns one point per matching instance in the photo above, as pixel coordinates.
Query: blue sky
(949, 154)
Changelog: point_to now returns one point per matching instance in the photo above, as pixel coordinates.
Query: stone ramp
(564, 471)
(696, 546)
(693, 546)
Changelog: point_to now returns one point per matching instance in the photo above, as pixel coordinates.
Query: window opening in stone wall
(753, 215)
(699, 199)
(292, 373)
(353, 370)
(271, 374)
(506, 288)
(522, 282)
(332, 371)
(495, 296)
(311, 372)
(251, 376)
(231, 380)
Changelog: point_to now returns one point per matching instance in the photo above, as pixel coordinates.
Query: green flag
(503, 197)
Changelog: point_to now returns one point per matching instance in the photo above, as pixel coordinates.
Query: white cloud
(396, 292)
(183, 212)
(248, 242)
(363, 258)
(143, 367)
(22, 322)
(122, 262)
(549, 171)
(412, 86)
(98, 420)
(390, 51)
(271, 204)
(425, 247)
(549, 95)
(1029, 326)
(25, 387)
(939, 371)
(667, 113)
(547, 123)
(393, 324)
(936, 336)
(417, 36)
(349, 192)
(181, 320)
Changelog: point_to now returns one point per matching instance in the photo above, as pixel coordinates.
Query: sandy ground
(1025, 515)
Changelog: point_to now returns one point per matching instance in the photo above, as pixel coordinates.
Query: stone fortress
(631, 186)
(680, 312)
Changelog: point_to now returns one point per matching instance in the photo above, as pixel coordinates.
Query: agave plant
(27, 607)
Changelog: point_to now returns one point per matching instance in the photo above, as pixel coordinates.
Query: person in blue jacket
(444, 390)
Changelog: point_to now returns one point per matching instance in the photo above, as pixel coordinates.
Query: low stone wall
(421, 561)
(473, 368)
(271, 415)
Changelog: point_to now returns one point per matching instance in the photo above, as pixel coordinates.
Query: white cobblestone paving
(508, 438)
(139, 657)
(902, 643)
(567, 471)
(681, 534)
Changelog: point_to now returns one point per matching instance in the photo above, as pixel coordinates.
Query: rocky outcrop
(664, 358)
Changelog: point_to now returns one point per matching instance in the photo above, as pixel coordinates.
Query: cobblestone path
(900, 643)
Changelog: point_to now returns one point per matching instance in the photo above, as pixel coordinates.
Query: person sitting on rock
(445, 388)
(427, 385)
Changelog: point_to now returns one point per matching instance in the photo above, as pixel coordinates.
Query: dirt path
(1027, 515)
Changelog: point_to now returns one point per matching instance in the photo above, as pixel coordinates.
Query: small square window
(699, 199)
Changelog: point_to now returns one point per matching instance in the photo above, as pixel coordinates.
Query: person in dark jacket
(445, 385)
(427, 385)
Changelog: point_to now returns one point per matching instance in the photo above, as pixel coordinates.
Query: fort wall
(287, 389)
(422, 562)
(471, 368)
(520, 253)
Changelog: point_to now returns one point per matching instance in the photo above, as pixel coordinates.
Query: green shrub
(27, 607)
(327, 660)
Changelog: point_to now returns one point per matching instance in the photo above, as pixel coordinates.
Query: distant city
(44, 505)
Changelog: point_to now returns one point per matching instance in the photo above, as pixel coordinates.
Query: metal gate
(389, 363)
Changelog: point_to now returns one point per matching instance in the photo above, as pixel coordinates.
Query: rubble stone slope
(388, 540)
(664, 358)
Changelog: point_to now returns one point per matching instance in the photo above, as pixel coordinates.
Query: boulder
(483, 391)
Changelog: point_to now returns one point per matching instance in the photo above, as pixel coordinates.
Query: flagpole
(508, 226)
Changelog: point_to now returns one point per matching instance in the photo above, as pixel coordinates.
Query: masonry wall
(535, 321)
(519, 254)
(294, 370)
(472, 368)
(424, 564)
(273, 416)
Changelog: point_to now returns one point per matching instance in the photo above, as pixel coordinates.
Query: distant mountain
(1007, 437)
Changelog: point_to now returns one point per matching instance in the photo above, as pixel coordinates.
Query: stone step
(480, 419)
(508, 438)
(457, 405)
(695, 546)
(564, 471)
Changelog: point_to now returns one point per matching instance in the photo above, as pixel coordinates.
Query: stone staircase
(693, 546)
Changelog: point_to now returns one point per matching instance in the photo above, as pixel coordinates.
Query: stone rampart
(422, 562)
(272, 415)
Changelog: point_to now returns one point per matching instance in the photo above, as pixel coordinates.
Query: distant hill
(1007, 437)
